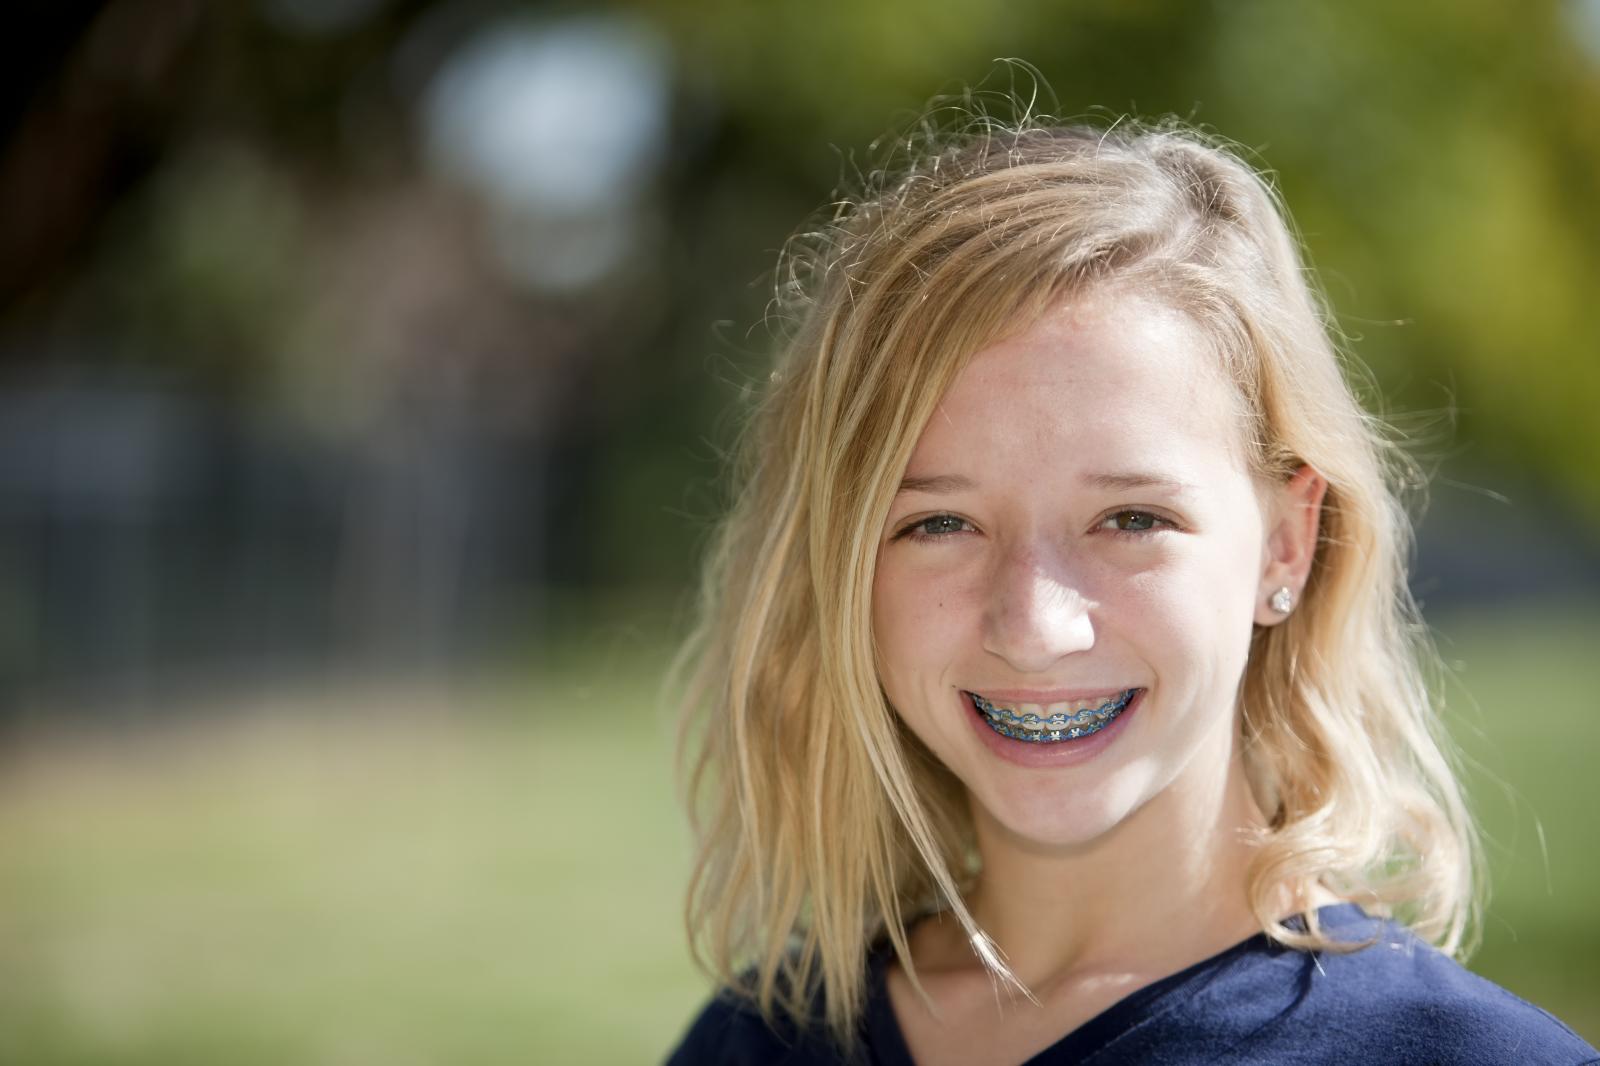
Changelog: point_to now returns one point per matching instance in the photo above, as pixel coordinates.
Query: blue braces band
(1084, 723)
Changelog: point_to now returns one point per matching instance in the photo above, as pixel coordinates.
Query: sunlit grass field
(396, 877)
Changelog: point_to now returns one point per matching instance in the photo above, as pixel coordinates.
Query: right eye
(935, 527)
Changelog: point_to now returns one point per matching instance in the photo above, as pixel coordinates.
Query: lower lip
(1057, 752)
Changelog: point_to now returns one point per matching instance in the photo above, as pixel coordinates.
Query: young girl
(1057, 696)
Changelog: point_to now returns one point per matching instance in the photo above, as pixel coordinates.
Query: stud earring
(1282, 601)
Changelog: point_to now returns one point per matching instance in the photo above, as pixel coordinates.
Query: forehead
(1106, 378)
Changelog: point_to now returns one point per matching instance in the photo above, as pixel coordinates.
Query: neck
(1165, 888)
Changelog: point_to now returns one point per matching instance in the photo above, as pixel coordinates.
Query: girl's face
(1078, 545)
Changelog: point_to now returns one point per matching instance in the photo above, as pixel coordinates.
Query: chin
(1058, 822)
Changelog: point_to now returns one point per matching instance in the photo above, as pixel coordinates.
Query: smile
(1061, 722)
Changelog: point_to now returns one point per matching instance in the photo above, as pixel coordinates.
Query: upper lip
(1051, 695)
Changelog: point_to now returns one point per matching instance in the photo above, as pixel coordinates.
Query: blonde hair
(821, 822)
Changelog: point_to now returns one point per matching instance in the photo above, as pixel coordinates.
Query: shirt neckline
(888, 1041)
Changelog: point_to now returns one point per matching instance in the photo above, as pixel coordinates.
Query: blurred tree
(174, 170)
(1440, 162)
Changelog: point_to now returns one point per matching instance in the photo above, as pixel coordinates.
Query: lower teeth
(1045, 736)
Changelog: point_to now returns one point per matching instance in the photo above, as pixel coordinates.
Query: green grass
(343, 884)
(1525, 709)
(387, 878)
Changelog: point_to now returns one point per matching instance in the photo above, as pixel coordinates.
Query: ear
(1294, 513)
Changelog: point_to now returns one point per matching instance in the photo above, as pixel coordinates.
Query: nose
(1036, 613)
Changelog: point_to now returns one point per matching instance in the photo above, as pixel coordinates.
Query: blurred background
(365, 367)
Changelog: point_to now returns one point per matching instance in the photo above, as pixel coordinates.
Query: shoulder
(730, 1031)
(1401, 1000)
(1425, 1003)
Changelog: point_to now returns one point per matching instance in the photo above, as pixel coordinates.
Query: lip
(1057, 754)
(1050, 695)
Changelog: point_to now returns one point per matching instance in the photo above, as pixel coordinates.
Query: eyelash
(1157, 525)
(910, 531)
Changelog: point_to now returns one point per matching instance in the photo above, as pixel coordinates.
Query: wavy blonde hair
(821, 822)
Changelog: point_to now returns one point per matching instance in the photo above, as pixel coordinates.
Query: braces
(1083, 723)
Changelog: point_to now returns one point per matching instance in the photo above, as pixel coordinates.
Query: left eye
(1132, 522)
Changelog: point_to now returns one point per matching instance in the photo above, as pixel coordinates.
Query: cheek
(916, 626)
(1201, 596)
(891, 624)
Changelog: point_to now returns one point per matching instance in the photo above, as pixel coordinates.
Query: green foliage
(1439, 159)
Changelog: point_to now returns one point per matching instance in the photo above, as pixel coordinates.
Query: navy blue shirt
(1398, 1001)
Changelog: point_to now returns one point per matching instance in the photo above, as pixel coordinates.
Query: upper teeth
(1041, 716)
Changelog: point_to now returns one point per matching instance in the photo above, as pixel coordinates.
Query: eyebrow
(1138, 480)
(938, 483)
(943, 484)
